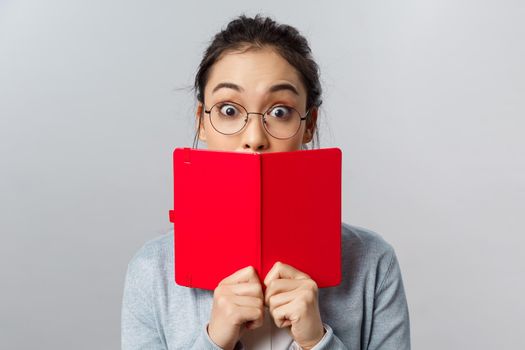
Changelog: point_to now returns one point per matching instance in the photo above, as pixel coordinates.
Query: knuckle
(274, 283)
(309, 297)
(220, 290)
(311, 284)
(222, 301)
(269, 285)
(259, 313)
(260, 303)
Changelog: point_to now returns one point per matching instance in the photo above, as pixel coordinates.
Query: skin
(254, 71)
(290, 295)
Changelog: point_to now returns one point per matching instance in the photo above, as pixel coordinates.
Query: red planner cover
(234, 209)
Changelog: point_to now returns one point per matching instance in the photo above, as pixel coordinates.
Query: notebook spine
(259, 229)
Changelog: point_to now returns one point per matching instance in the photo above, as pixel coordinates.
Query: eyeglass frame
(301, 118)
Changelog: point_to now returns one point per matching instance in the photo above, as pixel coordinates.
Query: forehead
(254, 69)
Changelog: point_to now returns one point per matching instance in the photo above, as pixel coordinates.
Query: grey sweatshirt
(368, 310)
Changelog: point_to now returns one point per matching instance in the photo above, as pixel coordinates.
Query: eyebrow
(274, 88)
(284, 86)
(227, 86)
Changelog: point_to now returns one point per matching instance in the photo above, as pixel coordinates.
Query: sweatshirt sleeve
(140, 329)
(138, 324)
(390, 325)
(329, 341)
(204, 342)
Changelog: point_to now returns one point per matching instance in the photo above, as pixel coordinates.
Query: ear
(199, 115)
(310, 125)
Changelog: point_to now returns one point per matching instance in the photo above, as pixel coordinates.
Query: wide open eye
(281, 112)
(228, 110)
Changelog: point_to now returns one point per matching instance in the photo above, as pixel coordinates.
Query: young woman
(255, 73)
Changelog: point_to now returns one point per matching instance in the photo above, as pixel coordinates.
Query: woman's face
(247, 78)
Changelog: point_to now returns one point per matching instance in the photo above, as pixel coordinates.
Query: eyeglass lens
(279, 121)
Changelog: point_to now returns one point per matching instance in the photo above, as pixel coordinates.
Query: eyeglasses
(280, 121)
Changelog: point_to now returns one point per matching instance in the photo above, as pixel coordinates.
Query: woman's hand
(291, 296)
(238, 304)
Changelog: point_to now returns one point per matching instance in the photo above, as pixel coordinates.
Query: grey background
(425, 98)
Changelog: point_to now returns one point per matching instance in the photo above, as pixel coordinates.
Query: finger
(280, 286)
(251, 325)
(247, 289)
(281, 270)
(283, 316)
(245, 314)
(255, 324)
(247, 274)
(281, 299)
(248, 301)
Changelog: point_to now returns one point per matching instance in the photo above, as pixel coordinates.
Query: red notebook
(235, 209)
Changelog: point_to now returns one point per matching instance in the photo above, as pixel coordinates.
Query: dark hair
(258, 32)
